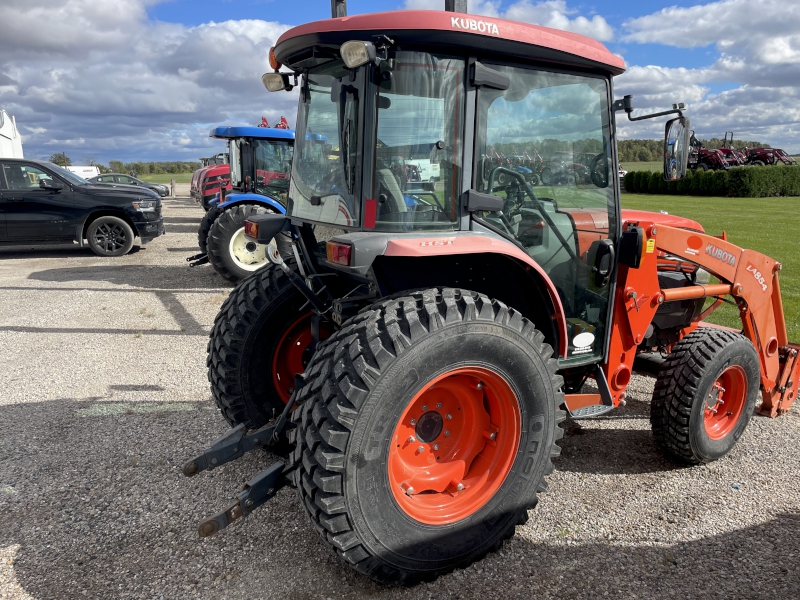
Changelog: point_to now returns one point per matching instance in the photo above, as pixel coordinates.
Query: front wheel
(425, 429)
(230, 252)
(704, 395)
(110, 236)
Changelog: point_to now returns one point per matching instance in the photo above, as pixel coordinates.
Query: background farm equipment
(703, 158)
(259, 175)
(414, 373)
(768, 156)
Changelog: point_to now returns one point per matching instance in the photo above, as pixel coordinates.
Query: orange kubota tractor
(413, 359)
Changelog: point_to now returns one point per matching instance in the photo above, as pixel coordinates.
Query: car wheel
(110, 236)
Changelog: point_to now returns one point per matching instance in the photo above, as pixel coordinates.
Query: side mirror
(676, 147)
(50, 184)
(603, 251)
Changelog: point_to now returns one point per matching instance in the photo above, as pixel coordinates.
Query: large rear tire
(205, 227)
(475, 385)
(704, 395)
(230, 253)
(258, 343)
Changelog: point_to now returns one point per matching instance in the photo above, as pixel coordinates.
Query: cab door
(33, 213)
(543, 145)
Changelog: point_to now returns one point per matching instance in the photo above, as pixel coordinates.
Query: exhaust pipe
(459, 6)
(338, 8)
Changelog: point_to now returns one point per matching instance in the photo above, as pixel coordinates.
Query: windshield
(68, 175)
(323, 184)
(419, 142)
(273, 165)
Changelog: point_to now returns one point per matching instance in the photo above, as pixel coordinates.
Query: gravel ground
(105, 396)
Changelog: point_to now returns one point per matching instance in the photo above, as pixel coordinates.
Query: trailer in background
(10, 140)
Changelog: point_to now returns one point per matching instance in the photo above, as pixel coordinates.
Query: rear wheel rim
(454, 445)
(725, 402)
(247, 254)
(292, 354)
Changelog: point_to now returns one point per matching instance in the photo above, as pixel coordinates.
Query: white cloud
(759, 56)
(548, 13)
(101, 77)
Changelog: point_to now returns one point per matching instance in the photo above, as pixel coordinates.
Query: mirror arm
(674, 111)
(626, 104)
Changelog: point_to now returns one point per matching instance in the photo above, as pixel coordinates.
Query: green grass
(768, 225)
(655, 165)
(167, 178)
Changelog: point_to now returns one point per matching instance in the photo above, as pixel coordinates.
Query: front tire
(110, 236)
(705, 394)
(485, 386)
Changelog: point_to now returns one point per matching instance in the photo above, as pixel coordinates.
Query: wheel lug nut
(424, 407)
(413, 421)
(492, 436)
(460, 487)
(409, 490)
(436, 446)
(448, 416)
(439, 405)
(447, 432)
(411, 439)
(480, 386)
(421, 449)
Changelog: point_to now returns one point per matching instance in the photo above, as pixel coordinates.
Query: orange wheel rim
(454, 445)
(292, 355)
(725, 402)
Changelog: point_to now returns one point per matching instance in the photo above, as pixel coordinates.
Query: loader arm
(750, 277)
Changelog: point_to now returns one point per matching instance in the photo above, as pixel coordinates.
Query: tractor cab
(260, 159)
(462, 92)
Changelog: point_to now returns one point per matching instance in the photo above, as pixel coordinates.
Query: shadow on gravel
(176, 220)
(93, 500)
(172, 277)
(183, 228)
(54, 251)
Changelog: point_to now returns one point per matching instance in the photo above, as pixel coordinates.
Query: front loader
(411, 361)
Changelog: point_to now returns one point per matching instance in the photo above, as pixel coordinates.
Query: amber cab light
(338, 253)
(251, 229)
(273, 62)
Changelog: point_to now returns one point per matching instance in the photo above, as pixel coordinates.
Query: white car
(86, 172)
(428, 171)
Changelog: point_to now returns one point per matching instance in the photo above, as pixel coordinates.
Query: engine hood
(119, 191)
(661, 219)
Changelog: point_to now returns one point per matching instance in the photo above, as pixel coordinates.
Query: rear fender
(471, 260)
(247, 198)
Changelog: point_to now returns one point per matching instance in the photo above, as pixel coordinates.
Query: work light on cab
(356, 53)
(275, 82)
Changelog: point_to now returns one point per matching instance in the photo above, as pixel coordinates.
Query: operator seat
(395, 203)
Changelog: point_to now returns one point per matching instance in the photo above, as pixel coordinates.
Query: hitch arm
(231, 445)
(256, 492)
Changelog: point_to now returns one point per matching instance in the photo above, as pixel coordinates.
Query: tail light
(251, 229)
(338, 253)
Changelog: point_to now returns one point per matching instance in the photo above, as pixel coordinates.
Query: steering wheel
(598, 170)
(540, 209)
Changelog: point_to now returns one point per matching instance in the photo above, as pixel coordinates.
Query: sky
(147, 79)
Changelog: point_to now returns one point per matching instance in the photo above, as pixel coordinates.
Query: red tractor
(768, 156)
(414, 364)
(734, 157)
(703, 158)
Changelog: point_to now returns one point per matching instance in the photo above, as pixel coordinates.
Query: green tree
(61, 159)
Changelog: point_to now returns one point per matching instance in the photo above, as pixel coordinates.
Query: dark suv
(43, 203)
(117, 179)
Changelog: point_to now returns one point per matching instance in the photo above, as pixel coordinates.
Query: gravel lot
(105, 396)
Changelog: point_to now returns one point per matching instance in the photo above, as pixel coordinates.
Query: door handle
(15, 199)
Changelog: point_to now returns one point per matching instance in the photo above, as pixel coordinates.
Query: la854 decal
(758, 276)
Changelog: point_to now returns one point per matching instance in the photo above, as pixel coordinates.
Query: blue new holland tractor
(260, 164)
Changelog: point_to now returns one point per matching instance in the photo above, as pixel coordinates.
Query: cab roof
(467, 34)
(261, 133)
